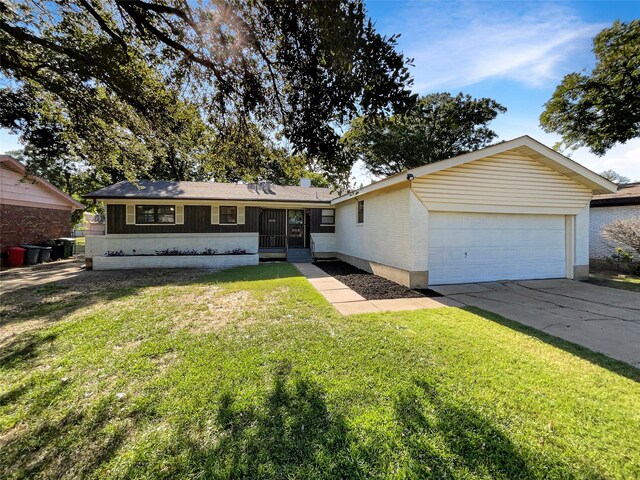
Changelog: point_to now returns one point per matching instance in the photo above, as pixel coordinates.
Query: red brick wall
(19, 225)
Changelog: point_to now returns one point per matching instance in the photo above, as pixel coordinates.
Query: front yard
(250, 373)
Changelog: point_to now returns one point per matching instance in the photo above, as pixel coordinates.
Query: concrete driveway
(603, 319)
(17, 278)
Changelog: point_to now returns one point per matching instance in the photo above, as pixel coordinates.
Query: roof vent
(305, 182)
(267, 186)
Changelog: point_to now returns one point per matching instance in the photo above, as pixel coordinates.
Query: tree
(601, 109)
(124, 71)
(439, 126)
(624, 232)
(614, 177)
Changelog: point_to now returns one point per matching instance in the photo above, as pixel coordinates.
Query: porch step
(299, 255)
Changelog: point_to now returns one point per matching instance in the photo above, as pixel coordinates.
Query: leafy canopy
(439, 126)
(614, 176)
(601, 109)
(152, 89)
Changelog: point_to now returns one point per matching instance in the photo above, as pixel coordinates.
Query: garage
(517, 210)
(481, 247)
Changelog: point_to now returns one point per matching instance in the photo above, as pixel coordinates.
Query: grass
(80, 244)
(249, 373)
(614, 280)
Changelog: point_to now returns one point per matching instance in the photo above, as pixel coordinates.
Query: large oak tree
(153, 88)
(439, 126)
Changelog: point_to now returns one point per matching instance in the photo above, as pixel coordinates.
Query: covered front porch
(285, 233)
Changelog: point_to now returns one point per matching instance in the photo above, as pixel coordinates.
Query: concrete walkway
(605, 320)
(348, 302)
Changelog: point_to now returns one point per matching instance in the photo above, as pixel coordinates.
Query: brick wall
(600, 247)
(384, 236)
(19, 225)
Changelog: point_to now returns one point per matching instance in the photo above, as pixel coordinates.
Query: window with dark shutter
(361, 211)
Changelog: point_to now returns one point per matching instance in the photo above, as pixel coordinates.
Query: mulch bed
(371, 287)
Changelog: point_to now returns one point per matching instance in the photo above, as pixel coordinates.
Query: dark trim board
(615, 202)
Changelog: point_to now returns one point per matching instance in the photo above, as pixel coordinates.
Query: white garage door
(482, 247)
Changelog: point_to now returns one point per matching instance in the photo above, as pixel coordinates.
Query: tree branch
(103, 24)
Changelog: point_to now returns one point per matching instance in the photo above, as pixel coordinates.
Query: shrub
(624, 232)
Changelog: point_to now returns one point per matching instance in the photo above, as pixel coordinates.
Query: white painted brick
(324, 242)
(147, 244)
(175, 261)
(600, 217)
(384, 235)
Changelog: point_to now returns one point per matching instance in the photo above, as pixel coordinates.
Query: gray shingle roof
(213, 191)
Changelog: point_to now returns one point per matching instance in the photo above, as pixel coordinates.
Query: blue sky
(513, 52)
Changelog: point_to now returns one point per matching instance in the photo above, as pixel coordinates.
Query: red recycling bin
(15, 256)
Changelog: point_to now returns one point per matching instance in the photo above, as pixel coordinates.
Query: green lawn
(624, 282)
(249, 373)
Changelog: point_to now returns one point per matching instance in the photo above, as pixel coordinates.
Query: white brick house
(513, 211)
(622, 205)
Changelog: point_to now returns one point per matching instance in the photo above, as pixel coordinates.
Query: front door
(273, 228)
(295, 228)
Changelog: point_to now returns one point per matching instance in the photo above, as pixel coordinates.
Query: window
(328, 216)
(229, 215)
(361, 211)
(150, 214)
(296, 217)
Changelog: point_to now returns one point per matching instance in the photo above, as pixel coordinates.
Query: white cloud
(624, 159)
(457, 45)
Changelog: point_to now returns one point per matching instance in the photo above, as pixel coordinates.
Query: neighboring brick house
(31, 209)
(622, 205)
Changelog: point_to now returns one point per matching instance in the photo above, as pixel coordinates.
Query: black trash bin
(57, 251)
(31, 254)
(68, 244)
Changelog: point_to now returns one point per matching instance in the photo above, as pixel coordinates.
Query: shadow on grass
(23, 348)
(71, 446)
(446, 440)
(616, 366)
(292, 434)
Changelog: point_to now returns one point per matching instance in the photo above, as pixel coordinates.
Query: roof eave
(615, 202)
(203, 199)
(23, 170)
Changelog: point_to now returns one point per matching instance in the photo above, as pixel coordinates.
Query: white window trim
(220, 222)
(240, 214)
(334, 218)
(175, 215)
